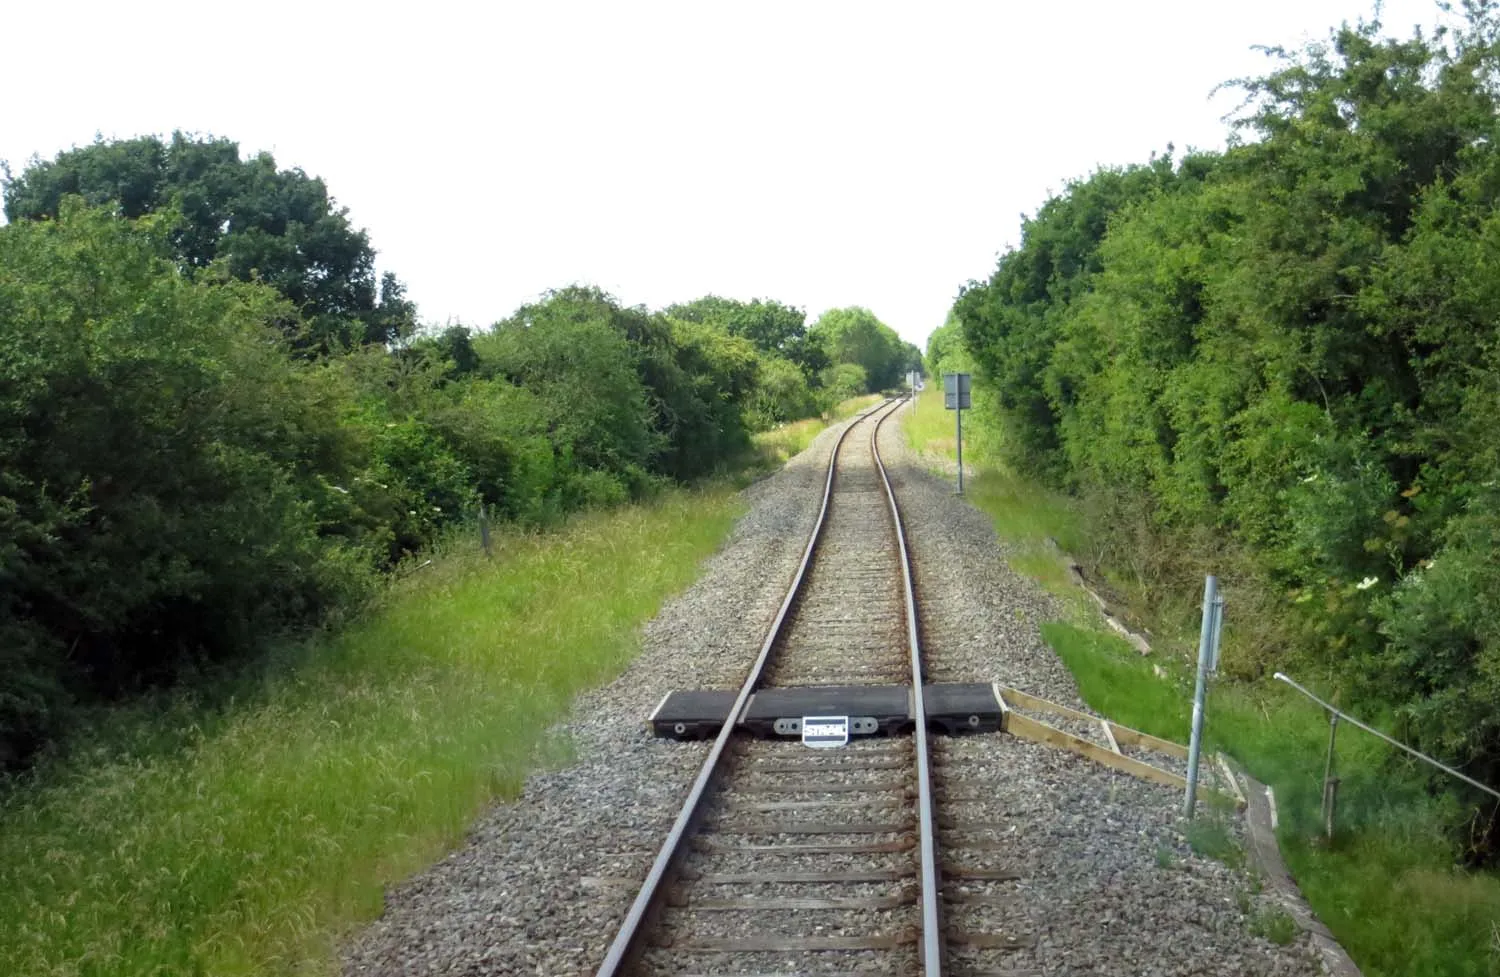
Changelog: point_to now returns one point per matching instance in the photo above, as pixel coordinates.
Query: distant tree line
(216, 425)
(1291, 349)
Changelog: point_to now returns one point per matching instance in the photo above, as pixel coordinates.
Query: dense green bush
(946, 352)
(844, 381)
(155, 444)
(195, 457)
(244, 215)
(854, 337)
(1291, 345)
(782, 393)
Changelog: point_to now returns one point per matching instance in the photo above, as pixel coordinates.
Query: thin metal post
(1330, 782)
(1205, 659)
(959, 420)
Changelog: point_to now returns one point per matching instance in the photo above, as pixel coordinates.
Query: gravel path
(1108, 883)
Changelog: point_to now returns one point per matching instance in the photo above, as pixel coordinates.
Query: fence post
(484, 530)
(1330, 782)
(1207, 657)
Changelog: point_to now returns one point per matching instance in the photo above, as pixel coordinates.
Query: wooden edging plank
(1000, 700)
(1234, 782)
(1109, 735)
(1122, 734)
(1134, 737)
(1032, 729)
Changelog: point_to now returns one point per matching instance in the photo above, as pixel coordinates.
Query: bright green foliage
(279, 226)
(853, 336)
(250, 838)
(1387, 886)
(782, 394)
(946, 352)
(178, 484)
(572, 354)
(790, 362)
(626, 393)
(155, 442)
(775, 329)
(845, 380)
(1293, 344)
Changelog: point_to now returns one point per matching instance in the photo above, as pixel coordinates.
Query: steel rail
(932, 932)
(627, 942)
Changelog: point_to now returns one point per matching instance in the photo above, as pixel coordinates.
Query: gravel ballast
(1108, 883)
(541, 884)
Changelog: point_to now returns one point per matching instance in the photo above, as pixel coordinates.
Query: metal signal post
(957, 399)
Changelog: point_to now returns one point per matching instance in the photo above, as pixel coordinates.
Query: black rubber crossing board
(951, 708)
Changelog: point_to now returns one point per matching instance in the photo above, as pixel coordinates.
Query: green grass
(1386, 886)
(1025, 515)
(785, 441)
(845, 409)
(246, 839)
(1116, 681)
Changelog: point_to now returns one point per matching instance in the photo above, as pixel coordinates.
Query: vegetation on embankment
(1279, 363)
(217, 427)
(784, 441)
(245, 836)
(1388, 886)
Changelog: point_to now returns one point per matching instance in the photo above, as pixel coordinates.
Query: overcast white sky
(822, 154)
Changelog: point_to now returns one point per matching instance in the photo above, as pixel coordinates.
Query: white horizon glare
(821, 154)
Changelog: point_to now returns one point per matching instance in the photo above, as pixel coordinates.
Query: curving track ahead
(785, 861)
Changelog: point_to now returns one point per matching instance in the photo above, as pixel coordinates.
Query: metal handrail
(1394, 742)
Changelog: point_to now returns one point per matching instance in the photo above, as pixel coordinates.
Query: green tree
(158, 468)
(279, 226)
(774, 328)
(1292, 343)
(854, 336)
(573, 351)
(946, 352)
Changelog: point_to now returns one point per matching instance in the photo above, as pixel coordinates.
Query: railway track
(786, 860)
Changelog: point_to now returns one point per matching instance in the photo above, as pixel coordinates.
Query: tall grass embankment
(776, 446)
(248, 837)
(1387, 885)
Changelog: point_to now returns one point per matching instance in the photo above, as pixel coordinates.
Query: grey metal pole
(1205, 651)
(959, 420)
(1330, 782)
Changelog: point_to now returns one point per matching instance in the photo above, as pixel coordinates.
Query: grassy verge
(1386, 885)
(781, 443)
(1025, 514)
(246, 839)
